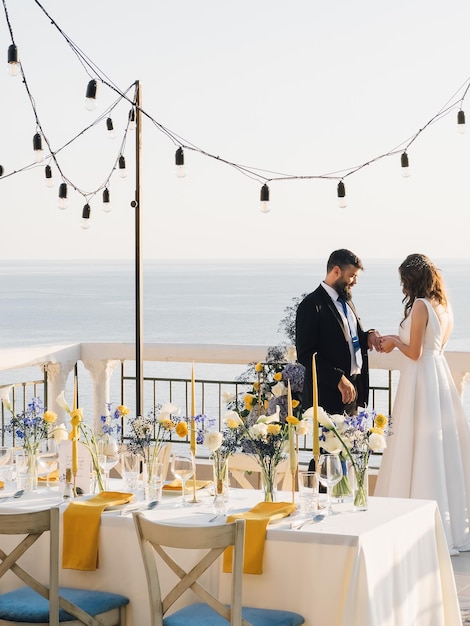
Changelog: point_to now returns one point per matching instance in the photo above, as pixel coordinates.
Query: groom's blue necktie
(354, 337)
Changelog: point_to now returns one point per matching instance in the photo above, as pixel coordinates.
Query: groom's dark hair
(342, 258)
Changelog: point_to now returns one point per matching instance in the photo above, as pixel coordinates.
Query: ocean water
(205, 301)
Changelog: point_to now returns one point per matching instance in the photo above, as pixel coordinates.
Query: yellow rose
(278, 376)
(50, 417)
(295, 404)
(248, 400)
(377, 431)
(266, 405)
(256, 386)
(274, 429)
(380, 420)
(181, 429)
(123, 410)
(259, 367)
(292, 420)
(167, 424)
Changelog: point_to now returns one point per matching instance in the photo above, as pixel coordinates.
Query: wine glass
(330, 473)
(47, 459)
(108, 447)
(182, 468)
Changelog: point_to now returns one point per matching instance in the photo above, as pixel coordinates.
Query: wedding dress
(428, 450)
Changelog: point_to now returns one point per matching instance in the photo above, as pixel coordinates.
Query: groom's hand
(347, 390)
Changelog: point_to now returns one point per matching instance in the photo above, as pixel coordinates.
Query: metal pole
(139, 317)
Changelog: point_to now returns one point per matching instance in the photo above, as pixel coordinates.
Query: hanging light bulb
(179, 162)
(37, 147)
(405, 165)
(13, 62)
(264, 197)
(132, 119)
(110, 127)
(122, 167)
(48, 174)
(86, 216)
(63, 201)
(106, 201)
(341, 191)
(90, 101)
(461, 121)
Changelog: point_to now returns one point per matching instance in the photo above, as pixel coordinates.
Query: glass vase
(360, 480)
(27, 471)
(269, 481)
(221, 483)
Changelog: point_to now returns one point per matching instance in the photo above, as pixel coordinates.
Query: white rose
(258, 430)
(279, 389)
(213, 440)
(168, 408)
(377, 442)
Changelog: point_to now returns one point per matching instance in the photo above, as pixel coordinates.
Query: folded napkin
(2, 484)
(81, 529)
(257, 520)
(175, 485)
(53, 477)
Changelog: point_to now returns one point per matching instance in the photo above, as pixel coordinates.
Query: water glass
(308, 493)
(7, 463)
(130, 469)
(153, 483)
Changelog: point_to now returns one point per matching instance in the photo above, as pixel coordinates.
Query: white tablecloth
(388, 566)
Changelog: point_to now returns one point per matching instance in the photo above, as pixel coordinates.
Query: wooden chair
(240, 464)
(213, 539)
(41, 604)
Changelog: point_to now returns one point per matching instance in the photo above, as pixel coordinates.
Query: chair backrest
(240, 464)
(31, 526)
(154, 538)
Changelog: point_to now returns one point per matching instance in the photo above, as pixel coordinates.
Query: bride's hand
(387, 343)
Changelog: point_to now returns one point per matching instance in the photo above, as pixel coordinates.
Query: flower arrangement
(112, 421)
(149, 433)
(354, 437)
(32, 425)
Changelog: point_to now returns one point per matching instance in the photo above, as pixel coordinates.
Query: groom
(328, 326)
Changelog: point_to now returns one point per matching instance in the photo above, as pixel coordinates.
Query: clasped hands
(381, 343)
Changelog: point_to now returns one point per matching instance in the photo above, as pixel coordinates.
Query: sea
(193, 301)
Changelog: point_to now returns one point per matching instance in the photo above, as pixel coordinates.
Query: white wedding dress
(428, 450)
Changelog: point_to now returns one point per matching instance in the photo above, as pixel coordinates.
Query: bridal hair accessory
(418, 261)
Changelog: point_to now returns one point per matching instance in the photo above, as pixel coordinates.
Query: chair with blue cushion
(48, 604)
(156, 539)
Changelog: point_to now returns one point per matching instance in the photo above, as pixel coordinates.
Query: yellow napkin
(2, 484)
(175, 485)
(53, 477)
(81, 529)
(257, 520)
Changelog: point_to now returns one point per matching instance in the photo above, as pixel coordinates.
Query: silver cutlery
(17, 494)
(314, 520)
(140, 506)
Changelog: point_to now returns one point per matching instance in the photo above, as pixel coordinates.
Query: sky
(300, 88)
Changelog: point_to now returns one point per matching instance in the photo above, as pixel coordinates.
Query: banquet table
(388, 566)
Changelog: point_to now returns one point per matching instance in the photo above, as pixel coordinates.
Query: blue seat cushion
(202, 615)
(25, 605)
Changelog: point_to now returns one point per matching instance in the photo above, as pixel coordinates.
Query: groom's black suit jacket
(320, 330)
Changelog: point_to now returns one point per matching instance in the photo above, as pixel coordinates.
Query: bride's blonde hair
(420, 278)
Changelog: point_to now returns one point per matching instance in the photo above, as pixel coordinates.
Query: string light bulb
(132, 123)
(461, 121)
(122, 167)
(63, 192)
(110, 127)
(341, 192)
(90, 98)
(48, 175)
(13, 62)
(86, 216)
(264, 197)
(405, 165)
(179, 162)
(106, 201)
(37, 147)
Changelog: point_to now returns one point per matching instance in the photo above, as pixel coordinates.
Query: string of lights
(261, 175)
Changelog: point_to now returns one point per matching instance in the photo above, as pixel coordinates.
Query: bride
(428, 452)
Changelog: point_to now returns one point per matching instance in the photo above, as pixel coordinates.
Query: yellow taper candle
(193, 413)
(316, 440)
(292, 456)
(74, 432)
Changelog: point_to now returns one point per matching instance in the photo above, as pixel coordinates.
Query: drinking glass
(47, 459)
(7, 462)
(182, 468)
(330, 472)
(109, 448)
(308, 493)
(130, 469)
